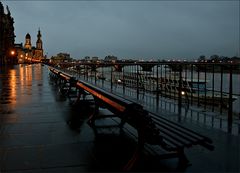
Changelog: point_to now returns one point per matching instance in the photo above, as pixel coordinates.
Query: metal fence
(203, 92)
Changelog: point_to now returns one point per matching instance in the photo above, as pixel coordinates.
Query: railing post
(86, 72)
(137, 82)
(124, 82)
(230, 114)
(221, 90)
(180, 93)
(205, 90)
(111, 78)
(95, 76)
(157, 88)
(198, 94)
(103, 75)
(213, 87)
(191, 91)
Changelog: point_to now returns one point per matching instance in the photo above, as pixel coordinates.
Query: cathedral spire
(39, 46)
(39, 40)
(39, 33)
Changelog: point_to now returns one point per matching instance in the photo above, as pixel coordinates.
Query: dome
(28, 36)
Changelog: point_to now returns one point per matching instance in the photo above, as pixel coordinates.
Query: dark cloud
(136, 29)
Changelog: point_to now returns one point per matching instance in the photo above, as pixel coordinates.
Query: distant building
(29, 53)
(94, 58)
(65, 56)
(87, 58)
(7, 37)
(110, 58)
(61, 57)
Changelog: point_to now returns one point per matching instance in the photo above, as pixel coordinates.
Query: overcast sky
(135, 29)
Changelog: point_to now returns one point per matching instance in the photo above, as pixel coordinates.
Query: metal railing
(206, 92)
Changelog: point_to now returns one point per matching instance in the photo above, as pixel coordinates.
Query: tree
(202, 58)
(214, 58)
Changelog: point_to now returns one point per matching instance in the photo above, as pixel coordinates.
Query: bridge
(117, 65)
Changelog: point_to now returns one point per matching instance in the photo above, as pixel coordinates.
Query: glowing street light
(12, 52)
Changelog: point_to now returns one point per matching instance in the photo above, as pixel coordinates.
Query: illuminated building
(60, 58)
(29, 53)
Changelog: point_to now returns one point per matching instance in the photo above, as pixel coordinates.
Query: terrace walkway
(37, 134)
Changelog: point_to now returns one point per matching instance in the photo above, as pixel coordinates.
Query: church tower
(28, 44)
(39, 48)
(39, 40)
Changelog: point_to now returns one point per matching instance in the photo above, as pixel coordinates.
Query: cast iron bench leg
(136, 156)
(183, 161)
(92, 118)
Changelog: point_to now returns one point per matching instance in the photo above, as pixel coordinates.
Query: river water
(213, 81)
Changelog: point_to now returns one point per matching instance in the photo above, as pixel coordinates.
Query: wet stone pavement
(40, 131)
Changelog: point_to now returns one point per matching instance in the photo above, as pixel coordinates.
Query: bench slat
(174, 137)
(177, 130)
(185, 130)
(176, 133)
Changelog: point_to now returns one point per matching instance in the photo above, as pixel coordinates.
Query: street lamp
(12, 52)
(12, 56)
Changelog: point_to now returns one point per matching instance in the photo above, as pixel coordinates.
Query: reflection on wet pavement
(40, 130)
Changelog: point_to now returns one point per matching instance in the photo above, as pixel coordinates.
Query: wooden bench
(151, 128)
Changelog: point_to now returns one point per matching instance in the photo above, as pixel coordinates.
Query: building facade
(7, 37)
(60, 58)
(29, 53)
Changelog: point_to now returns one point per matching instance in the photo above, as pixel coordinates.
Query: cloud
(147, 29)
